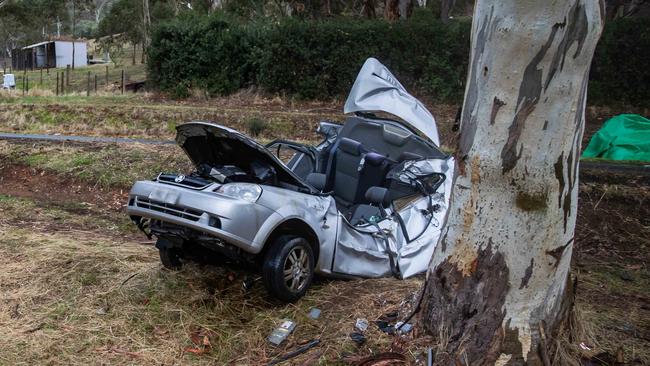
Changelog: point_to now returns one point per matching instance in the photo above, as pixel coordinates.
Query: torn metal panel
(364, 252)
(377, 89)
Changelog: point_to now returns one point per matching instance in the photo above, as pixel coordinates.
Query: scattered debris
(385, 327)
(358, 338)
(314, 313)
(390, 317)
(403, 328)
(361, 325)
(584, 346)
(298, 351)
(248, 282)
(381, 359)
(281, 333)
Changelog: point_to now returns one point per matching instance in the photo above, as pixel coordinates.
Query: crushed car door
(402, 241)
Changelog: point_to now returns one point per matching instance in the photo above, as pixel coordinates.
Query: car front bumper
(232, 220)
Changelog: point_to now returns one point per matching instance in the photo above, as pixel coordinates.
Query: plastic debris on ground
(281, 333)
(358, 338)
(296, 352)
(385, 327)
(314, 313)
(403, 328)
(361, 325)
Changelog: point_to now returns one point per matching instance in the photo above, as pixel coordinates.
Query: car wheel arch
(294, 227)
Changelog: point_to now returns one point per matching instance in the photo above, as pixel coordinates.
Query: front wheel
(288, 268)
(169, 256)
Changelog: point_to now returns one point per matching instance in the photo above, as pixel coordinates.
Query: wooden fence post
(95, 83)
(67, 75)
(123, 81)
(62, 82)
(106, 74)
(27, 84)
(41, 81)
(88, 84)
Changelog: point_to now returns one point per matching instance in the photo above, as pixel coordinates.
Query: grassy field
(80, 285)
(109, 79)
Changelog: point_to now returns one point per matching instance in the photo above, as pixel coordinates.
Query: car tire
(170, 259)
(288, 268)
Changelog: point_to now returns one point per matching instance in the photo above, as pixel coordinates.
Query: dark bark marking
(566, 205)
(512, 346)
(577, 29)
(557, 253)
(530, 91)
(531, 201)
(468, 121)
(603, 12)
(443, 242)
(496, 105)
(527, 274)
(559, 174)
(468, 307)
(545, 125)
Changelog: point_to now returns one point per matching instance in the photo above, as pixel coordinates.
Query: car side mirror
(378, 196)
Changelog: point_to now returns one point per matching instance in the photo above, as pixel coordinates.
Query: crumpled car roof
(377, 89)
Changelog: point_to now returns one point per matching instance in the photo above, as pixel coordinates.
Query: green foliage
(308, 59)
(255, 126)
(320, 59)
(620, 72)
(207, 53)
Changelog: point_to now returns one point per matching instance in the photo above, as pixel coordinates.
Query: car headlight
(244, 191)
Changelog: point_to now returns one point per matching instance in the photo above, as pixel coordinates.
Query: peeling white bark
(516, 190)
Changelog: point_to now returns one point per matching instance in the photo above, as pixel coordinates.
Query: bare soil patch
(22, 181)
(611, 259)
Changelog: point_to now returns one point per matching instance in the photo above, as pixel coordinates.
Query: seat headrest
(375, 158)
(350, 146)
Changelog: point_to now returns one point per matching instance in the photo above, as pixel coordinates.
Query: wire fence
(87, 80)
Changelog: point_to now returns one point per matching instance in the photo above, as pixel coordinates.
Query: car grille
(188, 181)
(174, 210)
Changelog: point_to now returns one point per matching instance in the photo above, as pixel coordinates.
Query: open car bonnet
(377, 89)
(209, 143)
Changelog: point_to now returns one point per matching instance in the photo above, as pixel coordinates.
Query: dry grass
(105, 165)
(80, 299)
(113, 118)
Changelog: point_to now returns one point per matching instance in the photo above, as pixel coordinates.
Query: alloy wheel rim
(296, 269)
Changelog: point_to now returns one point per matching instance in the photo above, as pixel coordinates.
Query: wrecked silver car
(368, 201)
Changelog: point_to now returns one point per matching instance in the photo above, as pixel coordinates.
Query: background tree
(500, 272)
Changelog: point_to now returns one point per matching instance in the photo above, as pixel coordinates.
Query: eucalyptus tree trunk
(368, 9)
(445, 9)
(405, 9)
(500, 272)
(391, 10)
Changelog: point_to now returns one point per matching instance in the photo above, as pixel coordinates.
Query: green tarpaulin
(623, 137)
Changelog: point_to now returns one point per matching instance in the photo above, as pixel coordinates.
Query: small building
(50, 54)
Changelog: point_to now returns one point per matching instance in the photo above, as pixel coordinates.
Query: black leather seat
(351, 171)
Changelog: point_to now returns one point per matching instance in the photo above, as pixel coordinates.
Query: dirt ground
(81, 286)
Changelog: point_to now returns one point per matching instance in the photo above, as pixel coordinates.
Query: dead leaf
(196, 351)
